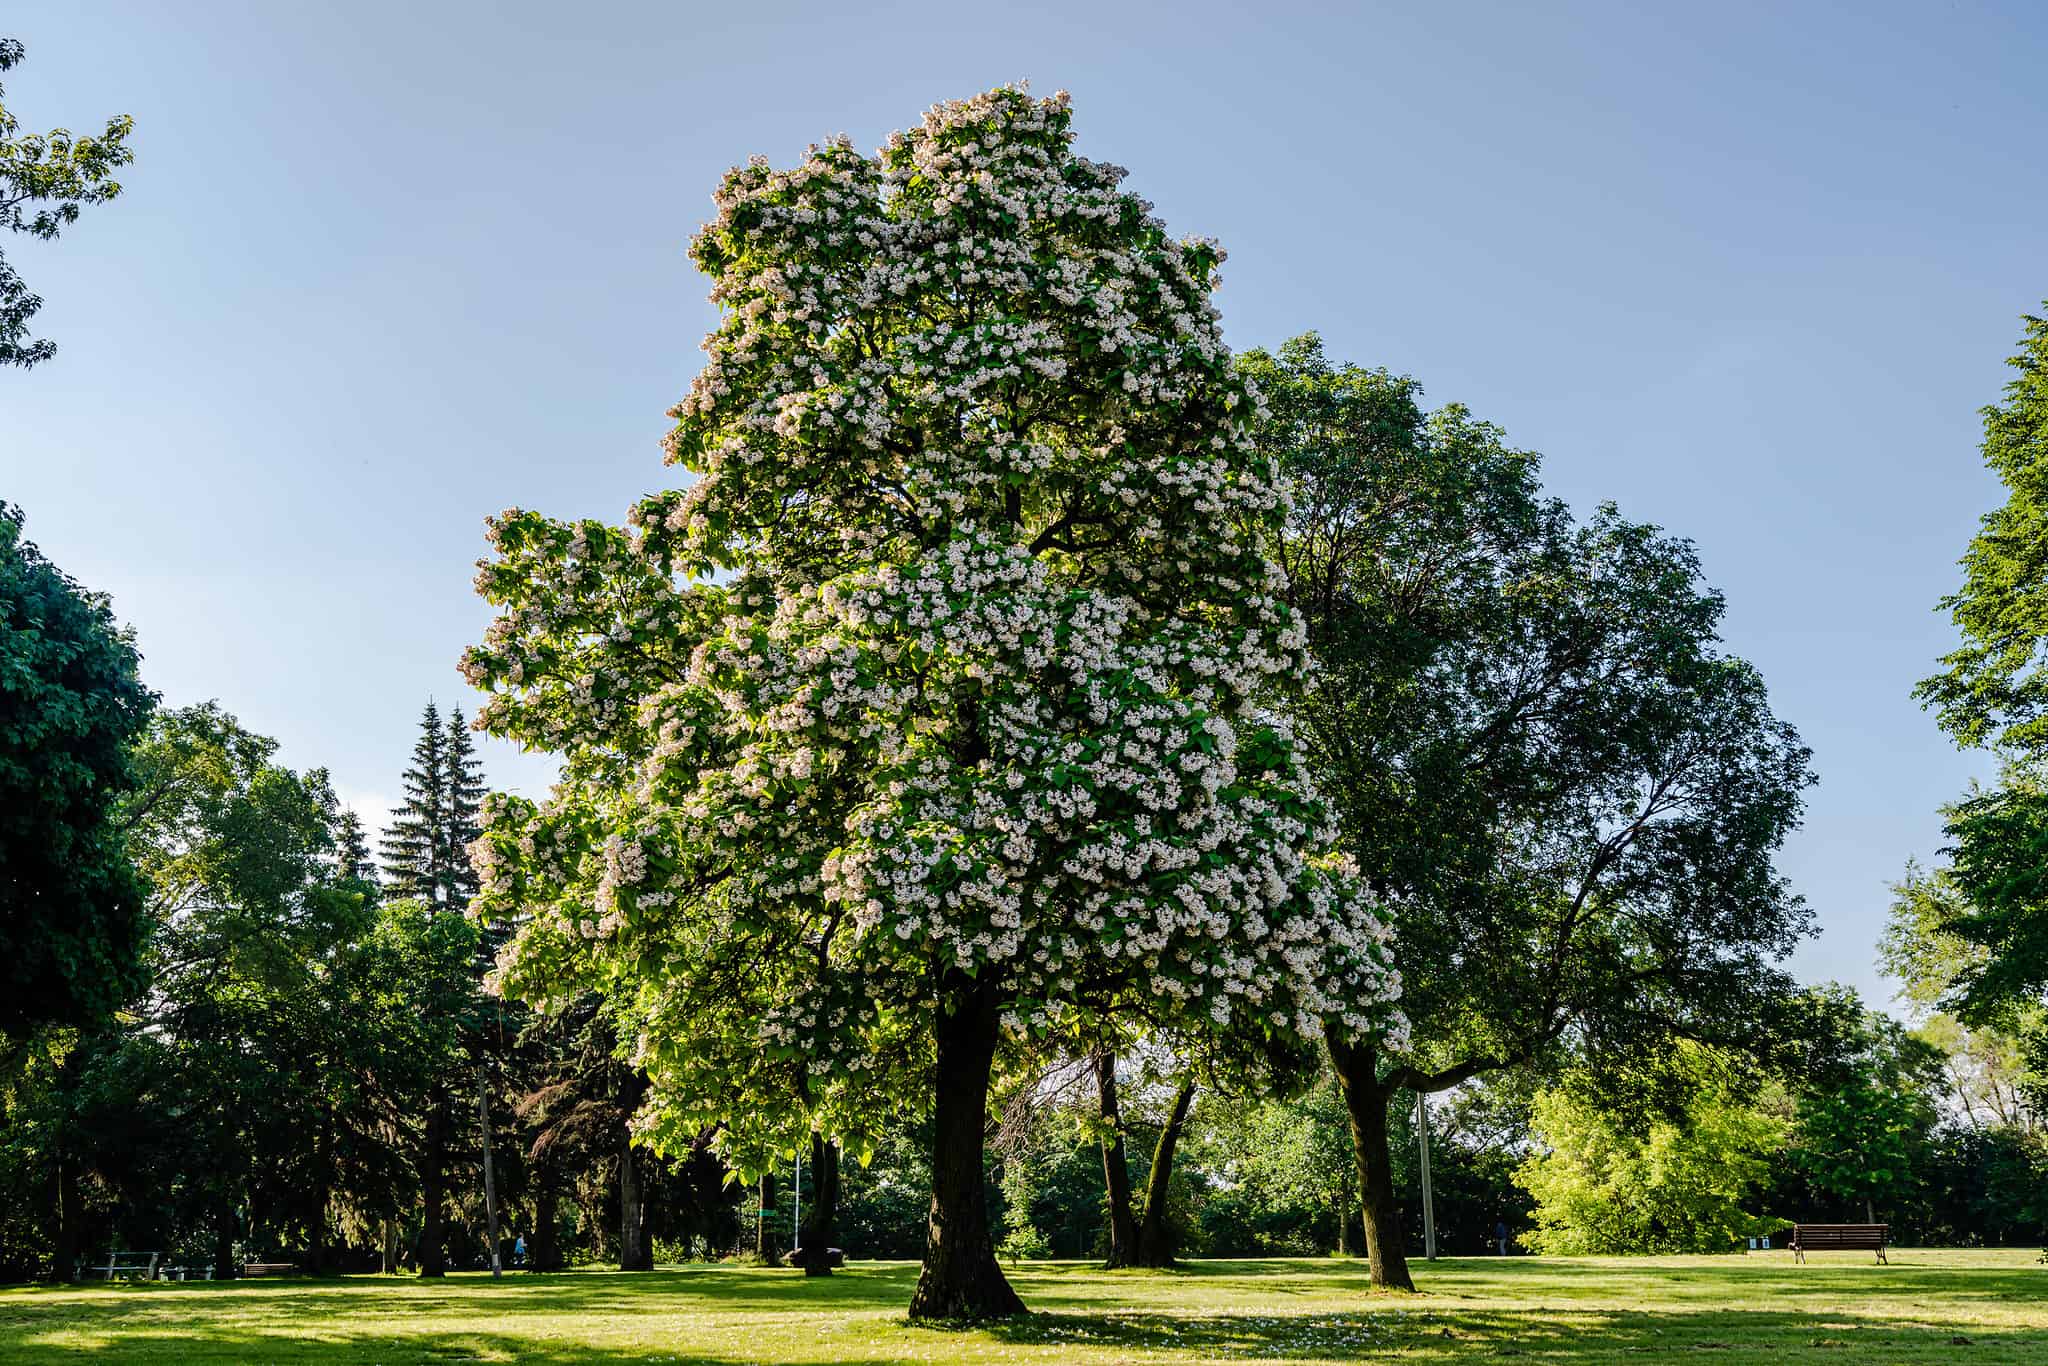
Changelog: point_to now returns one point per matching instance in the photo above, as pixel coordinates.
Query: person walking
(1500, 1236)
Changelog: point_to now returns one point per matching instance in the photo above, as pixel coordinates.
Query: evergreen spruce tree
(415, 848)
(462, 816)
(352, 861)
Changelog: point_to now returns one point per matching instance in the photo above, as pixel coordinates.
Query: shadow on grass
(1422, 1330)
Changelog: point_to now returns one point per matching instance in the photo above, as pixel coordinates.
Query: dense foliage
(1993, 691)
(1569, 796)
(1685, 1182)
(71, 914)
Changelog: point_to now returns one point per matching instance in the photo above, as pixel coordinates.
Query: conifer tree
(462, 817)
(352, 860)
(415, 848)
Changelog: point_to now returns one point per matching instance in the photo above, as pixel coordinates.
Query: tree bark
(319, 1250)
(388, 1247)
(321, 1254)
(544, 1251)
(224, 1245)
(635, 1254)
(961, 1279)
(70, 1221)
(1365, 1104)
(433, 1250)
(1116, 1171)
(600, 1232)
(815, 1256)
(1155, 1238)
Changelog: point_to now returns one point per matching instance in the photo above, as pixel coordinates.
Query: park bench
(130, 1266)
(1839, 1238)
(268, 1268)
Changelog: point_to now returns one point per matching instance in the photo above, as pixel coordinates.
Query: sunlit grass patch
(1926, 1307)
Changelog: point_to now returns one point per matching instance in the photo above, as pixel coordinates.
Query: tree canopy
(1569, 797)
(71, 906)
(967, 741)
(1992, 691)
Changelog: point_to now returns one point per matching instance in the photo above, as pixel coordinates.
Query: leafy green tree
(1289, 1158)
(1865, 1108)
(967, 744)
(1568, 796)
(237, 852)
(1685, 1182)
(579, 1116)
(1993, 691)
(394, 1005)
(1992, 1079)
(71, 908)
(45, 179)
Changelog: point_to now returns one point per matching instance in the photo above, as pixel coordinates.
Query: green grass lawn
(1926, 1307)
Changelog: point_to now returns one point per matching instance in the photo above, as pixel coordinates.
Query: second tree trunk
(1116, 1172)
(1365, 1104)
(815, 1252)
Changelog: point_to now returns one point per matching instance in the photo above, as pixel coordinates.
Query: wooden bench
(269, 1268)
(1839, 1238)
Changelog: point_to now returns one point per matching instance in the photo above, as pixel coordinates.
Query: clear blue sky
(381, 269)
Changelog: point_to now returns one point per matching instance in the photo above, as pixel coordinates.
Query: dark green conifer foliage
(352, 859)
(415, 848)
(464, 807)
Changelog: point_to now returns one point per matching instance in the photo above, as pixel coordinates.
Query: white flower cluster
(979, 694)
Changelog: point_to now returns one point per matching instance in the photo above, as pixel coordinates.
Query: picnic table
(1839, 1238)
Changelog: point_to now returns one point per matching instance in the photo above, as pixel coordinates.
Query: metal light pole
(1428, 1197)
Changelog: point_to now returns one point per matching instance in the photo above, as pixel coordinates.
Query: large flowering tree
(925, 713)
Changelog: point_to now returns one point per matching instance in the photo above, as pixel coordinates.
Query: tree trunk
(1365, 1103)
(634, 1252)
(388, 1247)
(319, 1250)
(1155, 1239)
(1116, 1171)
(224, 1245)
(815, 1255)
(70, 1221)
(433, 1251)
(1869, 1214)
(961, 1279)
(544, 1250)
